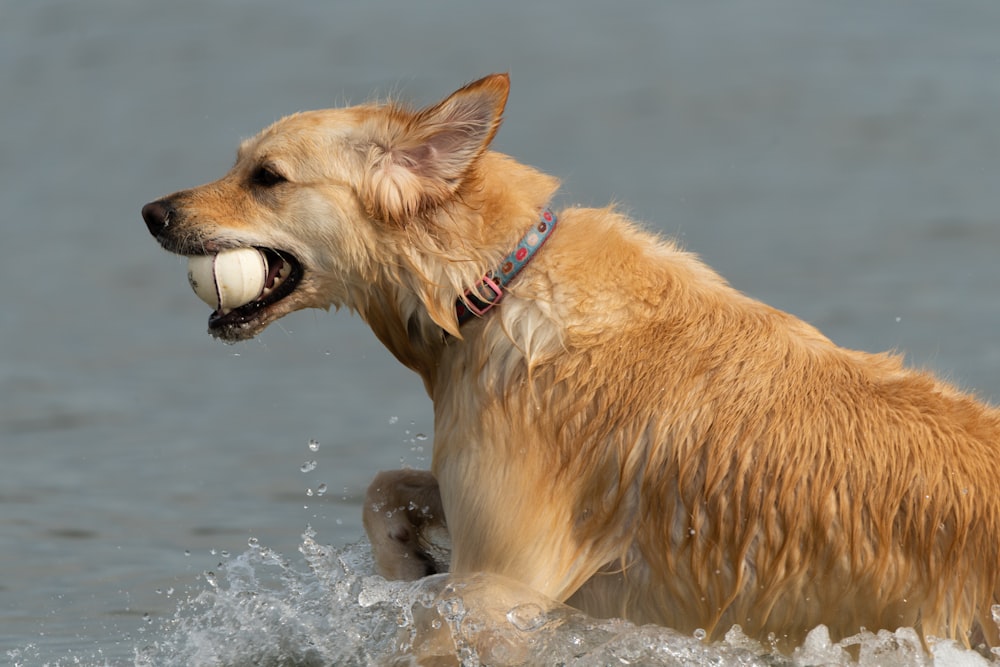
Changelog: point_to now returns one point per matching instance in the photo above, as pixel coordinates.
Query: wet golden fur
(626, 431)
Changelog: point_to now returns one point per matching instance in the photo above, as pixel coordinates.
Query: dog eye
(266, 177)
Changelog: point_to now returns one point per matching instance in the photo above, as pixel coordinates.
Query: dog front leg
(405, 522)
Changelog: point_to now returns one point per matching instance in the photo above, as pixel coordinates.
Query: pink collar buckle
(479, 300)
(484, 296)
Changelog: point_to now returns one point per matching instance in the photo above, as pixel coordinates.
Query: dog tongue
(274, 266)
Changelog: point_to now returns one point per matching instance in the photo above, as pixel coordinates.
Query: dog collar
(479, 299)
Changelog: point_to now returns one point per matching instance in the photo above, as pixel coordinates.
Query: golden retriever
(623, 430)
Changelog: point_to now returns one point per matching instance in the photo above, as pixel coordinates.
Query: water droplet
(308, 466)
(313, 445)
(453, 609)
(309, 492)
(420, 436)
(210, 578)
(187, 552)
(527, 617)
(224, 553)
(700, 634)
(253, 543)
(339, 522)
(321, 489)
(393, 419)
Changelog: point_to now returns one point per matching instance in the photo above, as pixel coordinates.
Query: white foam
(331, 609)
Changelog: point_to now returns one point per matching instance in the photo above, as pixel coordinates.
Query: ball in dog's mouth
(238, 283)
(229, 279)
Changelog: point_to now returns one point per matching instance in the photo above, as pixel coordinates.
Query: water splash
(330, 608)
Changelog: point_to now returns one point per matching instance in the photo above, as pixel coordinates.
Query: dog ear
(419, 160)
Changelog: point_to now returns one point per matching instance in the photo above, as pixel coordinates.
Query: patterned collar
(479, 299)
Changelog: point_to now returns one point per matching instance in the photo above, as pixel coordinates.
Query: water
(333, 611)
(838, 160)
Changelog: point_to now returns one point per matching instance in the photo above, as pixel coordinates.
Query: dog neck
(489, 291)
(412, 305)
(399, 318)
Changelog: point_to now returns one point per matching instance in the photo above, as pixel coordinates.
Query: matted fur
(626, 431)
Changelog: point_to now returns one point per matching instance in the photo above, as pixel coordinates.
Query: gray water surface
(839, 160)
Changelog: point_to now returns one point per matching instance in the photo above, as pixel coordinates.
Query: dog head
(328, 197)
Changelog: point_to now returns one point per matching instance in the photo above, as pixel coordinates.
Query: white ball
(229, 279)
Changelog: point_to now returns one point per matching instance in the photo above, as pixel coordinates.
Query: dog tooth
(281, 275)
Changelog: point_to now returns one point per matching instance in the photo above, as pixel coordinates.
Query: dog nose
(157, 216)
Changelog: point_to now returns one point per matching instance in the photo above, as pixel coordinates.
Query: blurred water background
(839, 160)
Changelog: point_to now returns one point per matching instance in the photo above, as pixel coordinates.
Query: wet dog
(615, 426)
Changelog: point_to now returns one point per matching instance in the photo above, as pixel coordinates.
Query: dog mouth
(283, 274)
